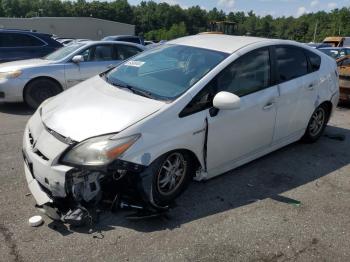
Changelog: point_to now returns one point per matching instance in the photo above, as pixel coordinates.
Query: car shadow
(15, 109)
(267, 177)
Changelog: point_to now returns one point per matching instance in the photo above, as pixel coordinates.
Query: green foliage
(163, 21)
(175, 31)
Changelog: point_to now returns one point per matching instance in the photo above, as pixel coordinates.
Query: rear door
(297, 91)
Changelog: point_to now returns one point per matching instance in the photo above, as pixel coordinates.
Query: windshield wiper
(131, 88)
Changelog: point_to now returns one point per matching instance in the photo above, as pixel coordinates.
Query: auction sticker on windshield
(134, 63)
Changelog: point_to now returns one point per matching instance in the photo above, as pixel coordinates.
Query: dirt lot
(292, 205)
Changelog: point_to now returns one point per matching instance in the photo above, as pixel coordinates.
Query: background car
(318, 45)
(34, 80)
(21, 44)
(335, 52)
(344, 77)
(125, 38)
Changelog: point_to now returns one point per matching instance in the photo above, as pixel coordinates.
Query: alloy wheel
(317, 121)
(171, 173)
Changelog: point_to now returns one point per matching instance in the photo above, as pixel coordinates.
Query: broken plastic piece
(36, 221)
(76, 217)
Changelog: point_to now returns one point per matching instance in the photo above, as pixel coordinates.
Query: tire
(317, 124)
(39, 90)
(165, 174)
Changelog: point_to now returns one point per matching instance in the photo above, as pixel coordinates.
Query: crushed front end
(68, 192)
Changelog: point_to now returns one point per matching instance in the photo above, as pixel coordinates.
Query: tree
(164, 21)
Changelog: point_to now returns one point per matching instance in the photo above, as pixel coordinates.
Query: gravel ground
(292, 205)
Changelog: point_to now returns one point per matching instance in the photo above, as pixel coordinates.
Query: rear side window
(104, 53)
(19, 40)
(315, 61)
(291, 63)
(125, 51)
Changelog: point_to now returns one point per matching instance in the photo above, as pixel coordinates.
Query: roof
(23, 31)
(218, 42)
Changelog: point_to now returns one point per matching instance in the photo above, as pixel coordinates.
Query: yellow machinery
(221, 27)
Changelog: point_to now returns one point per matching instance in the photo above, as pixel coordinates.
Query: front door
(97, 59)
(234, 135)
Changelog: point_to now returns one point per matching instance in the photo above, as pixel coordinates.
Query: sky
(262, 7)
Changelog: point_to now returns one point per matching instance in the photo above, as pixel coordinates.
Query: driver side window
(248, 74)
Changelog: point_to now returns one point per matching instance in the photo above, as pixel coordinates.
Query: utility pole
(315, 32)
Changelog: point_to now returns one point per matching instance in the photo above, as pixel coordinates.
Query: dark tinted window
(315, 61)
(246, 75)
(125, 51)
(130, 39)
(291, 63)
(19, 40)
(104, 53)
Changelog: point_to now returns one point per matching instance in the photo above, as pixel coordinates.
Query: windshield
(63, 52)
(165, 72)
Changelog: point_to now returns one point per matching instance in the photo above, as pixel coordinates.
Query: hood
(21, 64)
(94, 108)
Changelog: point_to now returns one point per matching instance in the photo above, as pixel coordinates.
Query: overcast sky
(262, 7)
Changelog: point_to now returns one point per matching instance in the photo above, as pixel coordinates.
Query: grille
(35, 150)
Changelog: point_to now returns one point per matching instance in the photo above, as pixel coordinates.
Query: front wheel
(39, 90)
(317, 124)
(171, 175)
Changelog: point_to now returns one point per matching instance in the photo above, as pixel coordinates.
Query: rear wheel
(39, 90)
(317, 124)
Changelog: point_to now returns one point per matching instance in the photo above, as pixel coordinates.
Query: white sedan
(35, 80)
(194, 107)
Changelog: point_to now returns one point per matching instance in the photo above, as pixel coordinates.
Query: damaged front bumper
(60, 190)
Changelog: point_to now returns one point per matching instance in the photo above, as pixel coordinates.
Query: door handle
(268, 105)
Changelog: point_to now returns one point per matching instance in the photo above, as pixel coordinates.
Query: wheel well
(41, 77)
(329, 106)
(196, 163)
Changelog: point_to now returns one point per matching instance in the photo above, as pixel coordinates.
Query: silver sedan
(34, 80)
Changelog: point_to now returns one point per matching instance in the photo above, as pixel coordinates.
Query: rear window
(19, 40)
(291, 63)
(315, 61)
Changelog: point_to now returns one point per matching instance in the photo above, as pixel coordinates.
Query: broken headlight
(99, 151)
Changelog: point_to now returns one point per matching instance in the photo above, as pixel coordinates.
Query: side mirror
(77, 59)
(226, 101)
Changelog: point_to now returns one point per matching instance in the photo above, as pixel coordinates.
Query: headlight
(10, 74)
(99, 151)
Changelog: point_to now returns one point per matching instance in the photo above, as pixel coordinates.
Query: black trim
(273, 66)
(205, 145)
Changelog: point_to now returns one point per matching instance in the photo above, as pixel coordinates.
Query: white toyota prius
(192, 108)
